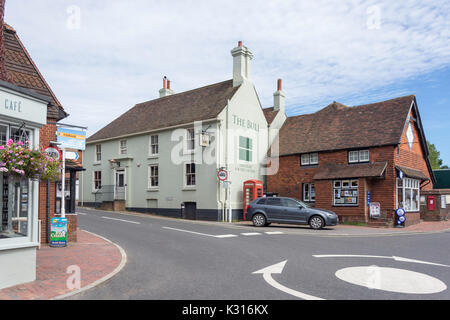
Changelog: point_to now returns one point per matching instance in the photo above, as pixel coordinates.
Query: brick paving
(95, 256)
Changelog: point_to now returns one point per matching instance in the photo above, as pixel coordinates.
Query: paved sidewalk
(97, 258)
(349, 230)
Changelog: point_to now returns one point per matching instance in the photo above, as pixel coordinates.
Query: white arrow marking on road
(278, 269)
(379, 257)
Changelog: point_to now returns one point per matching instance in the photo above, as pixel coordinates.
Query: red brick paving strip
(95, 256)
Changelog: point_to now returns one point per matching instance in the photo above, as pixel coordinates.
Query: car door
(274, 209)
(294, 211)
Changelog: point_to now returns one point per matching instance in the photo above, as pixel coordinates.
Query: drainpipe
(227, 194)
(47, 227)
(219, 190)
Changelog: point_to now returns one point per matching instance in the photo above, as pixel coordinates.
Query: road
(172, 259)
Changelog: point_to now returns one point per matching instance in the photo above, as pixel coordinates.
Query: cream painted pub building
(163, 156)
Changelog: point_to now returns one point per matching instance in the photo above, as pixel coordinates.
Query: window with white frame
(153, 176)
(345, 192)
(97, 180)
(309, 192)
(154, 145)
(98, 153)
(358, 156)
(190, 175)
(123, 149)
(408, 194)
(190, 140)
(245, 149)
(309, 159)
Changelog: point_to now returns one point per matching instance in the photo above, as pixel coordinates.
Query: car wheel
(259, 220)
(316, 223)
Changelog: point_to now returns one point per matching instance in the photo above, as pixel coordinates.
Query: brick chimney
(279, 97)
(3, 73)
(242, 58)
(165, 91)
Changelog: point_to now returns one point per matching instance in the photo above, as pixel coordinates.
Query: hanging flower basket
(17, 160)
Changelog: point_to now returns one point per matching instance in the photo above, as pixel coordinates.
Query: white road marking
(134, 222)
(391, 280)
(380, 257)
(249, 234)
(278, 269)
(81, 213)
(274, 232)
(187, 231)
(226, 236)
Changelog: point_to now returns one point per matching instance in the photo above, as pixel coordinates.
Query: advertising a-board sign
(375, 210)
(58, 229)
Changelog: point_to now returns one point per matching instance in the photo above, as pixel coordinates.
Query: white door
(120, 187)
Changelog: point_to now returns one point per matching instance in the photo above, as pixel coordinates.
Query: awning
(340, 171)
(412, 173)
(74, 166)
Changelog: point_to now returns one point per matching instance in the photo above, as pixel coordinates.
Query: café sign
(21, 107)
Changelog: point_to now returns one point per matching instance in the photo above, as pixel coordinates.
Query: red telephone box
(431, 203)
(253, 189)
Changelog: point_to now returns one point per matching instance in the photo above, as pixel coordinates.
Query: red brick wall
(414, 158)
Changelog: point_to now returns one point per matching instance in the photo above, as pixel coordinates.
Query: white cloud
(323, 50)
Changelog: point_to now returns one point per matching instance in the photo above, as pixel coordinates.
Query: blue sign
(369, 198)
(401, 175)
(71, 139)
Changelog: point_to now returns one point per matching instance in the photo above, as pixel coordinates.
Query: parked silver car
(264, 211)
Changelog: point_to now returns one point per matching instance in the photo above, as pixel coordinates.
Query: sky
(101, 57)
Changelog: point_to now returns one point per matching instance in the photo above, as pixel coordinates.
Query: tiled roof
(412, 173)
(341, 171)
(195, 105)
(338, 127)
(270, 114)
(24, 73)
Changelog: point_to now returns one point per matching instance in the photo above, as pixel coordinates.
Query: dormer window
(358, 156)
(310, 159)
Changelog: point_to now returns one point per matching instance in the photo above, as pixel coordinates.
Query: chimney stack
(3, 73)
(242, 58)
(279, 97)
(165, 91)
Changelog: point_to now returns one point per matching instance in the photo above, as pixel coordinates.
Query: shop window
(16, 207)
(358, 156)
(3, 135)
(408, 194)
(309, 159)
(19, 134)
(123, 149)
(154, 145)
(98, 153)
(309, 192)
(153, 178)
(245, 149)
(190, 175)
(345, 192)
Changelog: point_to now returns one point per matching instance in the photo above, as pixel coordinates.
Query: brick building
(344, 158)
(23, 72)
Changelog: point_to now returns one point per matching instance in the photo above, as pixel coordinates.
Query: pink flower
(20, 143)
(10, 142)
(2, 147)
